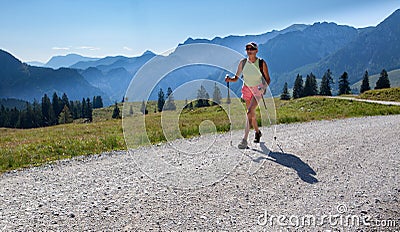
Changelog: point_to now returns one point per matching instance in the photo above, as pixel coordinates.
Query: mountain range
(298, 49)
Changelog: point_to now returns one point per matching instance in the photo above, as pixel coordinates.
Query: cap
(253, 44)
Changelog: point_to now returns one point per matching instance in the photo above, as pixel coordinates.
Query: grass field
(390, 94)
(21, 148)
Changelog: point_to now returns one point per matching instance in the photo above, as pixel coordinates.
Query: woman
(253, 88)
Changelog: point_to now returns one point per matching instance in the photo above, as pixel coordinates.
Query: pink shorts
(249, 91)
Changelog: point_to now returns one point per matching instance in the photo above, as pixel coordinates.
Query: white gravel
(334, 172)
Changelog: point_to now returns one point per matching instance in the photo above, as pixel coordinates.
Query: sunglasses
(251, 49)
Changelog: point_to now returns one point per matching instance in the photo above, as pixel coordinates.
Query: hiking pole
(270, 123)
(229, 109)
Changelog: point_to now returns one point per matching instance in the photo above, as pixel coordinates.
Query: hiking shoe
(243, 144)
(257, 136)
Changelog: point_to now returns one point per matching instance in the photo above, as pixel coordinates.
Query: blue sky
(36, 30)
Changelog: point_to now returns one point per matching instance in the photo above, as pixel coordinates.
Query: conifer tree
(298, 89)
(285, 93)
(161, 100)
(202, 97)
(37, 114)
(83, 109)
(327, 80)
(3, 116)
(310, 86)
(217, 96)
(65, 101)
(365, 83)
(47, 111)
(383, 81)
(116, 112)
(65, 116)
(56, 103)
(89, 110)
(344, 85)
(170, 103)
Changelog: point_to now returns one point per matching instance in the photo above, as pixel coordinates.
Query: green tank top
(251, 73)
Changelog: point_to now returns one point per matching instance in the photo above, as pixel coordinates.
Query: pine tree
(65, 101)
(57, 106)
(170, 103)
(26, 117)
(327, 80)
(47, 111)
(37, 114)
(298, 89)
(65, 116)
(202, 97)
(383, 81)
(161, 100)
(116, 112)
(310, 86)
(2, 116)
(76, 109)
(89, 110)
(344, 85)
(83, 108)
(99, 102)
(14, 117)
(285, 93)
(365, 83)
(217, 96)
(143, 109)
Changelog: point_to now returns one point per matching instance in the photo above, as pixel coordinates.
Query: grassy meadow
(390, 94)
(21, 148)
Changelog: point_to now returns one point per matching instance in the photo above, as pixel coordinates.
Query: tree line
(49, 112)
(167, 101)
(310, 87)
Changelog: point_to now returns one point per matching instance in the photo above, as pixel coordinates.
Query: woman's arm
(238, 72)
(266, 73)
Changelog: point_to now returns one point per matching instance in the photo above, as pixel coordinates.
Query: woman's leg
(250, 106)
(253, 115)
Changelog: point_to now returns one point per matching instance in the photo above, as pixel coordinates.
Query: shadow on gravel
(305, 172)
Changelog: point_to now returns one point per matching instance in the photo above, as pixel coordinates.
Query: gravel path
(331, 175)
(393, 103)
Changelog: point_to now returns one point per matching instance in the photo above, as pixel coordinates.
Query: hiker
(255, 81)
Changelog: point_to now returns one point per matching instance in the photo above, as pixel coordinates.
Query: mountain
(237, 42)
(285, 50)
(374, 49)
(66, 61)
(298, 48)
(22, 81)
(113, 75)
(10, 103)
(114, 82)
(36, 63)
(131, 64)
